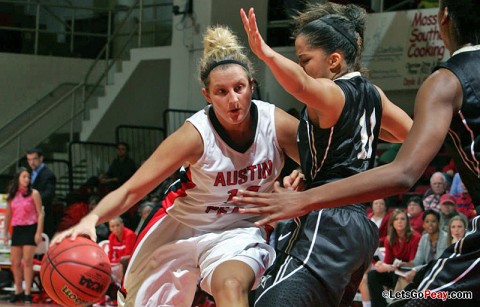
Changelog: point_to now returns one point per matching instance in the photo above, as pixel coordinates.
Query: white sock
(366, 304)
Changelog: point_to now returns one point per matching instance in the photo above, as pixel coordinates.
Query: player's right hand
(85, 228)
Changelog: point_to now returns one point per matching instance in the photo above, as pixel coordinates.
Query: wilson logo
(73, 297)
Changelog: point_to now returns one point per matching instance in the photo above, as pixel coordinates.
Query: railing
(62, 20)
(89, 159)
(174, 118)
(142, 140)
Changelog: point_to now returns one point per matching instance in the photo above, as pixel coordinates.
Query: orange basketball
(75, 273)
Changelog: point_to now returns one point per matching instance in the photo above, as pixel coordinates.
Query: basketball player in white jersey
(234, 143)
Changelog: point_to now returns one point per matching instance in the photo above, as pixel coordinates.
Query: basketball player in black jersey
(447, 108)
(344, 117)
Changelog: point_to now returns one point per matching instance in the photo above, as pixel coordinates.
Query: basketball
(75, 273)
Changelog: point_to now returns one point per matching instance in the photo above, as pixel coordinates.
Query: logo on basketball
(73, 297)
(91, 284)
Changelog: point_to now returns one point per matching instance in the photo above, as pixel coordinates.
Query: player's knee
(231, 287)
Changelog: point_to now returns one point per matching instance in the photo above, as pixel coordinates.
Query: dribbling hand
(85, 228)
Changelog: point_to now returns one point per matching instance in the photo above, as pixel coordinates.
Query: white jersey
(205, 201)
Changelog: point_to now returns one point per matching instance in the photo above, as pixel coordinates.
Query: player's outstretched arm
(183, 146)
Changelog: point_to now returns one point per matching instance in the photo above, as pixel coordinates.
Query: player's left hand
(255, 40)
(281, 205)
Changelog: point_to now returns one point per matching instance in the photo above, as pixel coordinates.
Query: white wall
(141, 101)
(26, 78)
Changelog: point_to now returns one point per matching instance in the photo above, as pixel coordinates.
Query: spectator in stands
(456, 186)
(23, 212)
(432, 244)
(465, 204)
(43, 180)
(380, 216)
(120, 247)
(144, 212)
(121, 240)
(448, 210)
(457, 228)
(400, 246)
(120, 170)
(438, 187)
(415, 211)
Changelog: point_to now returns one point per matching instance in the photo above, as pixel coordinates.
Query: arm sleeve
(418, 261)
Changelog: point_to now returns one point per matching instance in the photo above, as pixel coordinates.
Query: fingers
(288, 182)
(291, 181)
(276, 187)
(60, 237)
(263, 221)
(84, 233)
(242, 194)
(244, 20)
(251, 18)
(72, 234)
(297, 182)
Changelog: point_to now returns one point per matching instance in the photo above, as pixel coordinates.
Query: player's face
(24, 179)
(400, 222)
(457, 229)
(230, 93)
(313, 60)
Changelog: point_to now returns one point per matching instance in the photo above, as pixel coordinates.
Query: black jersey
(348, 147)
(463, 140)
(322, 241)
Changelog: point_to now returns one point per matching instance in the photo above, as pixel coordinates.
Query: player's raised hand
(255, 40)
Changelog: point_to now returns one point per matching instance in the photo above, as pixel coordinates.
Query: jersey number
(233, 193)
(367, 136)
